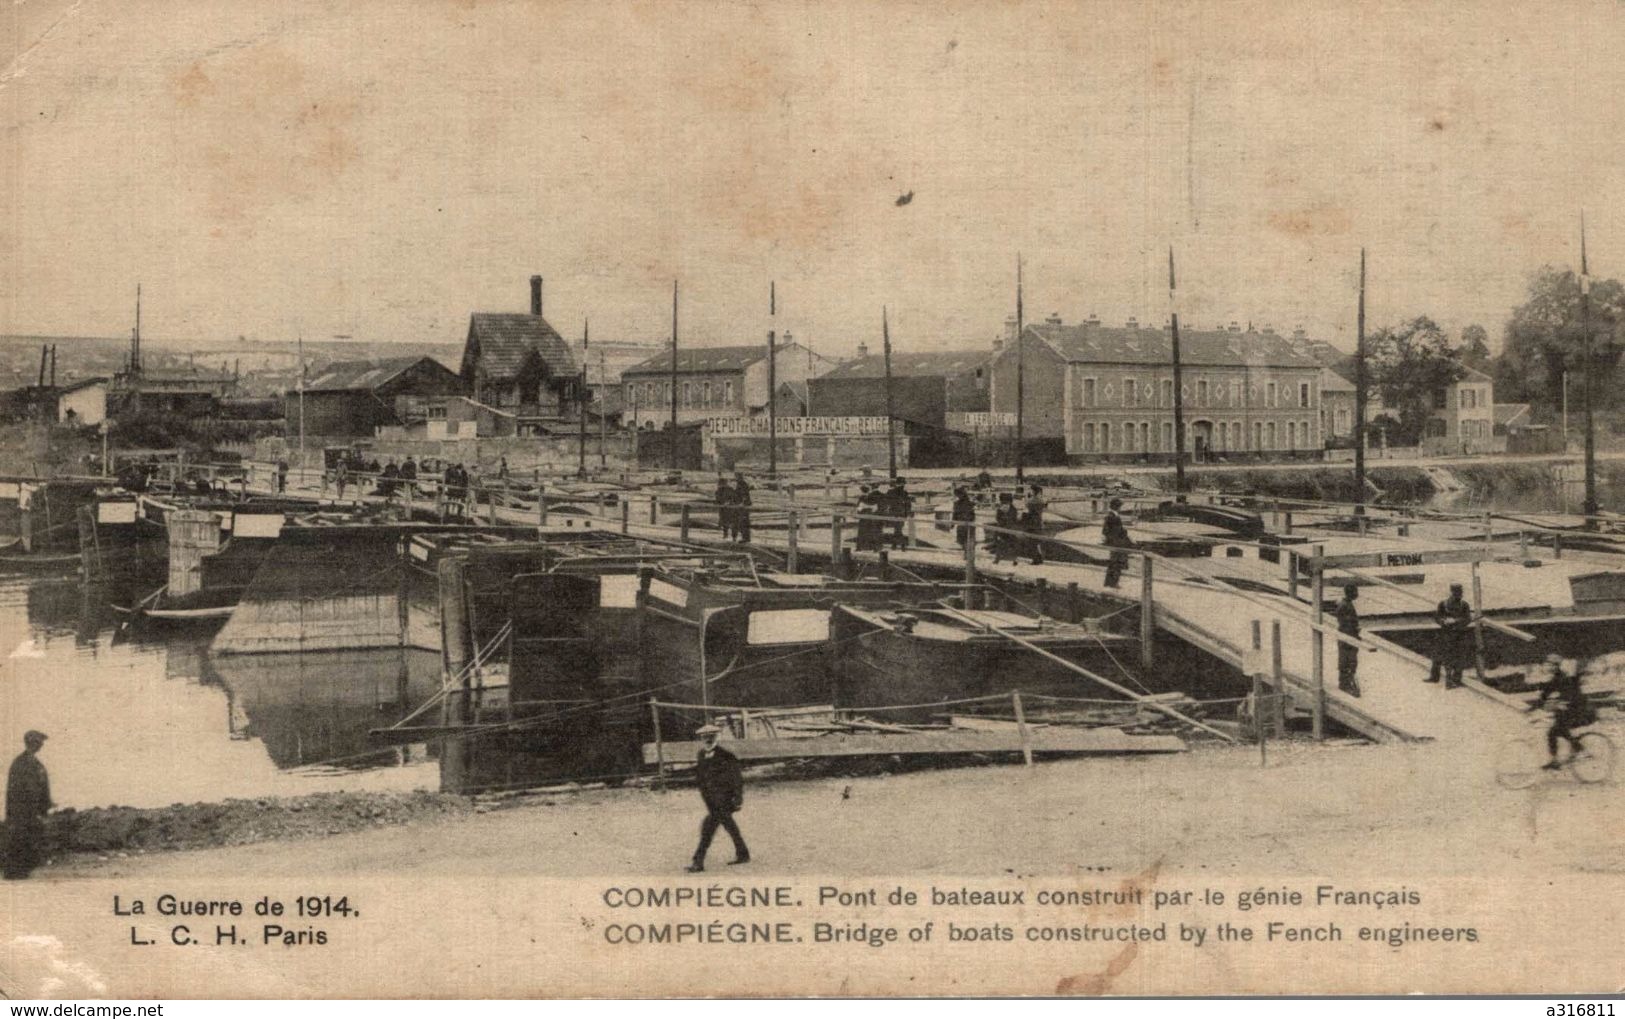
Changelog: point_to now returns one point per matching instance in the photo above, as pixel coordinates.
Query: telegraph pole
(672, 449)
(1179, 383)
(891, 410)
(772, 383)
(1359, 396)
(1590, 509)
(301, 402)
(581, 403)
(1021, 378)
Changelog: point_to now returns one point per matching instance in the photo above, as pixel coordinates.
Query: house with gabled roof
(1107, 392)
(713, 382)
(520, 364)
(353, 399)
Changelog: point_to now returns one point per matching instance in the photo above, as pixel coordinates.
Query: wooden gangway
(1396, 704)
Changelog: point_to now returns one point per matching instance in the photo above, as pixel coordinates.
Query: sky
(381, 170)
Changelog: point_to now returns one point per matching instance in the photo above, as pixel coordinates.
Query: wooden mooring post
(1148, 615)
(1478, 624)
(835, 544)
(1021, 727)
(1318, 647)
(792, 533)
(660, 746)
(1277, 675)
(682, 525)
(626, 516)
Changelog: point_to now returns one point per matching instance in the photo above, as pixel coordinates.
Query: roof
(1105, 344)
(700, 359)
(1474, 374)
(1510, 413)
(362, 374)
(946, 363)
(1331, 382)
(74, 387)
(504, 340)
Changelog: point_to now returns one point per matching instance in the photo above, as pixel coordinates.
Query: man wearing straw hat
(722, 787)
(28, 798)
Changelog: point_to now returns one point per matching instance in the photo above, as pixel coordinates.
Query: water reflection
(147, 717)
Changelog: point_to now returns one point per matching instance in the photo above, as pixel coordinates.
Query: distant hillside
(89, 356)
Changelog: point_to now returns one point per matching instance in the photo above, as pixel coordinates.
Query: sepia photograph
(511, 499)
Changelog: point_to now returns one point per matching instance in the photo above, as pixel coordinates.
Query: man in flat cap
(722, 787)
(28, 797)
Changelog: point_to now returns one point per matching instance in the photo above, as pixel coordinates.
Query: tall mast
(1359, 396)
(672, 449)
(581, 403)
(772, 384)
(891, 411)
(1021, 378)
(135, 336)
(301, 398)
(603, 410)
(1590, 509)
(1179, 384)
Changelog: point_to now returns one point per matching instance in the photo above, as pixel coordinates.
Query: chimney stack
(1133, 323)
(1054, 319)
(1010, 329)
(536, 296)
(863, 349)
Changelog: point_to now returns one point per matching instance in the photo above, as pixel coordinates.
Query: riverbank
(107, 832)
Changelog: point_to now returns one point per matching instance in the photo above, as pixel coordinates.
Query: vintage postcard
(528, 498)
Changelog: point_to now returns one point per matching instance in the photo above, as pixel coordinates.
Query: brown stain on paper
(1320, 219)
(263, 132)
(1100, 983)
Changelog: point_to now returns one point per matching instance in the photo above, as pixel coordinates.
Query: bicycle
(1522, 760)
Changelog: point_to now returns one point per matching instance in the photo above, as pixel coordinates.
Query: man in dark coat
(722, 787)
(1348, 657)
(282, 475)
(869, 528)
(725, 506)
(899, 506)
(1005, 520)
(1115, 537)
(1454, 615)
(741, 508)
(1573, 710)
(28, 798)
(964, 514)
(1032, 521)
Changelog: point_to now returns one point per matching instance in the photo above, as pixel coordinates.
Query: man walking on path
(1453, 615)
(1348, 656)
(1115, 537)
(28, 798)
(722, 787)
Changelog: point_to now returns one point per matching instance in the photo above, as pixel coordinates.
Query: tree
(1409, 365)
(1475, 348)
(1544, 339)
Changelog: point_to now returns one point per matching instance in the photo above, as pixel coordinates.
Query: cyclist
(1573, 710)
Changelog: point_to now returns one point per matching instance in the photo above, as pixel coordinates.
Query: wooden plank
(1043, 741)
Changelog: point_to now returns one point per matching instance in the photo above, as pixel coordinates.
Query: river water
(152, 719)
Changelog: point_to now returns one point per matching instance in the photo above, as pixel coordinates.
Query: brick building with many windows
(1107, 393)
(712, 381)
